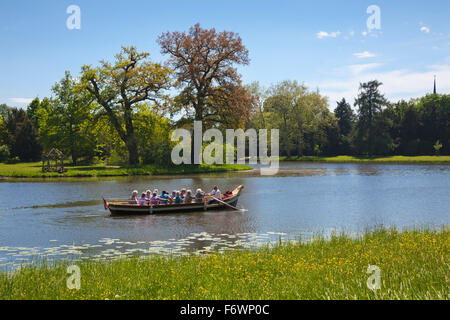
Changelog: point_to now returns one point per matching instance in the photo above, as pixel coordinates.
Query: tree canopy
(205, 65)
(120, 86)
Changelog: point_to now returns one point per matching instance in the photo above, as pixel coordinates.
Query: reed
(414, 265)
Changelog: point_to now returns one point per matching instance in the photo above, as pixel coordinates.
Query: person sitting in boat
(199, 194)
(216, 194)
(183, 193)
(178, 199)
(154, 199)
(142, 200)
(164, 198)
(188, 198)
(148, 195)
(134, 197)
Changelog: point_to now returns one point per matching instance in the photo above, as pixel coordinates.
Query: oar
(226, 204)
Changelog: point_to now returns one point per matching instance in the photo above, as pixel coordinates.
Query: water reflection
(302, 198)
(108, 248)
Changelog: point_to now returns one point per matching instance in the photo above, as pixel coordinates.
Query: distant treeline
(378, 127)
(307, 127)
(125, 110)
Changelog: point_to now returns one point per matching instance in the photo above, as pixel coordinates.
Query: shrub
(4, 153)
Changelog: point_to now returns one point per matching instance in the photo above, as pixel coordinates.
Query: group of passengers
(177, 197)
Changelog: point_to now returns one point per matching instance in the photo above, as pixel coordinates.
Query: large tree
(32, 109)
(301, 116)
(120, 86)
(346, 119)
(65, 121)
(345, 116)
(434, 111)
(286, 110)
(205, 65)
(22, 137)
(3, 131)
(257, 112)
(370, 103)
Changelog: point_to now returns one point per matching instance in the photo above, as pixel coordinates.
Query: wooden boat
(125, 207)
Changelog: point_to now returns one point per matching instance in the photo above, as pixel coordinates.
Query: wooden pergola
(53, 161)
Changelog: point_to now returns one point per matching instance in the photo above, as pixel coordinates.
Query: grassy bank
(367, 159)
(414, 265)
(33, 170)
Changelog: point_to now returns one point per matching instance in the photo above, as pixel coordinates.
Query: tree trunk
(74, 159)
(198, 117)
(133, 155)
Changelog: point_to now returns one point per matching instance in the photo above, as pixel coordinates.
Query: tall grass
(413, 264)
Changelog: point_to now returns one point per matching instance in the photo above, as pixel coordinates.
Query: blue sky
(325, 44)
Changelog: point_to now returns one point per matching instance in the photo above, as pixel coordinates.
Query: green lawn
(413, 265)
(33, 170)
(391, 159)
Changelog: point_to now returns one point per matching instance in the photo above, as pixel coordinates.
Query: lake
(60, 218)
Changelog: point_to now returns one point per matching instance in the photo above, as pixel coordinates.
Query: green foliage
(345, 116)
(66, 121)
(4, 153)
(437, 147)
(372, 128)
(119, 87)
(346, 124)
(434, 111)
(26, 145)
(33, 170)
(302, 117)
(21, 136)
(153, 135)
(3, 130)
(32, 112)
(372, 159)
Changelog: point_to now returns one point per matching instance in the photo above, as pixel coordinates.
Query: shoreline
(32, 171)
(333, 268)
(432, 160)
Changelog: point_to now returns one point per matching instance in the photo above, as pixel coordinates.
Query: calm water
(60, 218)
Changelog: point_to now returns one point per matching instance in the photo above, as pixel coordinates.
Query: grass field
(367, 159)
(33, 170)
(413, 265)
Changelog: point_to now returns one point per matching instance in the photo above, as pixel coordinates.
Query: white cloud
(357, 69)
(21, 100)
(352, 33)
(364, 33)
(425, 29)
(365, 54)
(397, 84)
(324, 34)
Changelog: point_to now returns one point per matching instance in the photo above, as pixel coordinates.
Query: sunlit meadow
(413, 264)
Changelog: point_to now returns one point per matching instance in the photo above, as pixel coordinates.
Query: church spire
(434, 91)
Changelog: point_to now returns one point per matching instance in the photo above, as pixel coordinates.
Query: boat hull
(135, 209)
